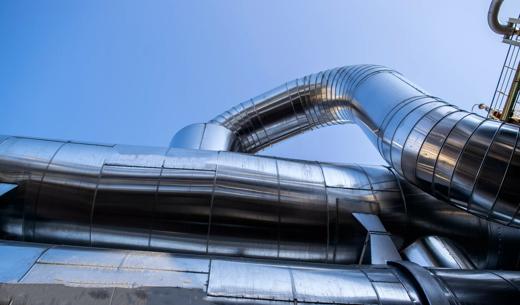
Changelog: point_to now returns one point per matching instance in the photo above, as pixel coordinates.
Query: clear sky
(135, 72)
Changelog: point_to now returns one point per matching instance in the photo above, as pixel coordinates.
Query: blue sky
(135, 72)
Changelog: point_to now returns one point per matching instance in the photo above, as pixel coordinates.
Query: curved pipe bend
(494, 22)
(307, 103)
(458, 156)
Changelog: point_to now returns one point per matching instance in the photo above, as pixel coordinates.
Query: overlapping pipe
(465, 159)
(228, 203)
(212, 199)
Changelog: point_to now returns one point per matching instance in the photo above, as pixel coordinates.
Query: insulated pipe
(494, 22)
(37, 273)
(223, 203)
(457, 156)
(41, 274)
(196, 201)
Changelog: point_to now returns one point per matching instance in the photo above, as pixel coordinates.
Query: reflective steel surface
(462, 158)
(225, 203)
(435, 251)
(228, 281)
(199, 202)
(230, 227)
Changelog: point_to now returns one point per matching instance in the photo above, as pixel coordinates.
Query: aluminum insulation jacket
(195, 201)
(81, 275)
(458, 156)
(222, 203)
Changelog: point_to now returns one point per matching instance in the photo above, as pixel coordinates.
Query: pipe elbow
(459, 157)
(494, 22)
(307, 103)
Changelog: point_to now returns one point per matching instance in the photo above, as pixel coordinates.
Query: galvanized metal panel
(451, 149)
(86, 276)
(244, 301)
(381, 178)
(95, 257)
(404, 128)
(133, 155)
(191, 159)
(181, 216)
(245, 207)
(24, 160)
(303, 211)
(392, 294)
(467, 169)
(333, 286)
(165, 261)
(380, 274)
(417, 138)
(247, 280)
(402, 109)
(346, 235)
(345, 176)
(67, 194)
(128, 194)
(430, 149)
(28, 155)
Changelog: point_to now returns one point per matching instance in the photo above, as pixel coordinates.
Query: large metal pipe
(460, 157)
(42, 274)
(191, 201)
(222, 203)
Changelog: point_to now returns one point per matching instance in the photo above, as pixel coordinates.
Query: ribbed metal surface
(230, 204)
(225, 203)
(307, 103)
(187, 200)
(454, 155)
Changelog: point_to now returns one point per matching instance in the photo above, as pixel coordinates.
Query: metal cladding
(232, 281)
(193, 201)
(224, 203)
(207, 198)
(460, 157)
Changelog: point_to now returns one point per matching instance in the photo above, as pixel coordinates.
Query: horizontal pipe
(89, 275)
(222, 203)
(460, 157)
